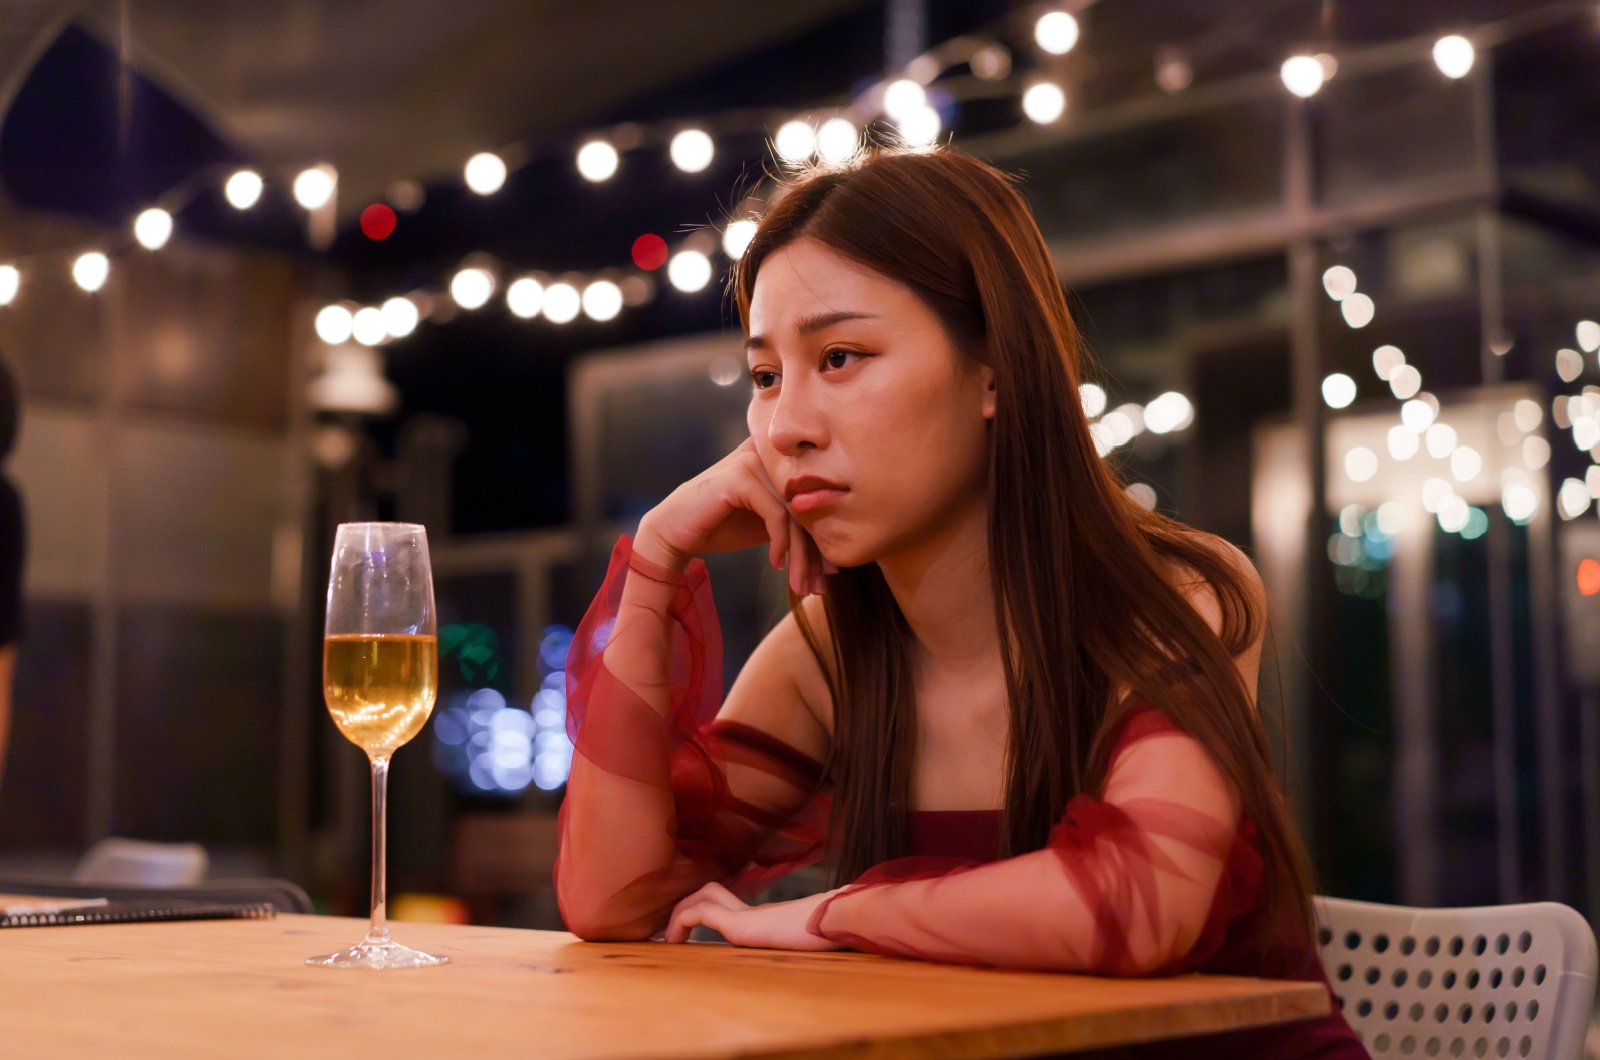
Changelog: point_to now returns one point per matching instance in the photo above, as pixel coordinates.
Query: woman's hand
(731, 505)
(775, 926)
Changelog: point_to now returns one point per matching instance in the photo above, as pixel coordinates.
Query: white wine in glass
(380, 674)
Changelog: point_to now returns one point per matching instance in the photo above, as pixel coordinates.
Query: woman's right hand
(729, 506)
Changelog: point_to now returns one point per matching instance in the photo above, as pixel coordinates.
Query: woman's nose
(797, 423)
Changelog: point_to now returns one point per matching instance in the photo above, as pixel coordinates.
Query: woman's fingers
(694, 910)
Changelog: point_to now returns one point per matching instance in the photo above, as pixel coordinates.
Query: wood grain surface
(239, 989)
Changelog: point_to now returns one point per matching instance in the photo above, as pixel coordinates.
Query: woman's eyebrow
(810, 326)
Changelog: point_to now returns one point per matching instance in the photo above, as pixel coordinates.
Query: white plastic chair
(136, 863)
(1496, 981)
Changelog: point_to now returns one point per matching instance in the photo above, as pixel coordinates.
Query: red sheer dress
(1128, 884)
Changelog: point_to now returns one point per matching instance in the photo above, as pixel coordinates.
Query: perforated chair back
(1496, 981)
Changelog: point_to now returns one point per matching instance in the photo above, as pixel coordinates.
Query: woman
(1015, 709)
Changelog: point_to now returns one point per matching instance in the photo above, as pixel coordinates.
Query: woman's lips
(815, 499)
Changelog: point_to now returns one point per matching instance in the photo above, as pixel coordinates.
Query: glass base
(378, 953)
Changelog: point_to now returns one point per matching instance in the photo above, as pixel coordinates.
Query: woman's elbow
(601, 921)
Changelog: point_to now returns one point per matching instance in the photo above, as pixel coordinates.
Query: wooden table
(239, 989)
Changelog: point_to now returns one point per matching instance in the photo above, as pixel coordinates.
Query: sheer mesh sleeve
(1139, 882)
(663, 797)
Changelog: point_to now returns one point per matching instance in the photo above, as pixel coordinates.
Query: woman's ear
(986, 376)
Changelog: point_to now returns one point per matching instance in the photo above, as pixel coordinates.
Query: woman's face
(870, 423)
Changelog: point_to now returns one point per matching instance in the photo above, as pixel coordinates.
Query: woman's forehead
(807, 279)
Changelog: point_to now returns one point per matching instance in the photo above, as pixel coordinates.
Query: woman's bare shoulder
(1199, 591)
(782, 689)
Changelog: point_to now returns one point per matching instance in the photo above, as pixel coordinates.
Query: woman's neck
(941, 582)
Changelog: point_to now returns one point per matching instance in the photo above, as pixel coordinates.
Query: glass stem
(379, 929)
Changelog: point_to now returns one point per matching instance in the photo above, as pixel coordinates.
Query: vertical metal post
(1589, 747)
(1309, 727)
(100, 801)
(1548, 721)
(1416, 759)
(1508, 832)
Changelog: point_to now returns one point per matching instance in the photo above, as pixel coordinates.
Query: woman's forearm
(619, 861)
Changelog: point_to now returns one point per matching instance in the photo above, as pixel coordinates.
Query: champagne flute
(380, 666)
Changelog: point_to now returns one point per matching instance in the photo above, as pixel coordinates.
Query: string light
(524, 297)
(1519, 501)
(334, 324)
(736, 238)
(692, 150)
(485, 173)
(1405, 382)
(1403, 443)
(91, 270)
(1465, 463)
(400, 316)
(1358, 310)
(1387, 360)
(1044, 102)
(367, 328)
(602, 300)
(1360, 464)
(1453, 56)
(837, 141)
(1416, 415)
(1338, 390)
(903, 98)
(314, 187)
(243, 189)
(1588, 336)
(1454, 514)
(152, 228)
(1340, 282)
(10, 283)
(1168, 412)
(471, 287)
(1441, 439)
(795, 142)
(561, 303)
(1569, 364)
(919, 128)
(1303, 75)
(597, 161)
(1093, 399)
(689, 271)
(1056, 32)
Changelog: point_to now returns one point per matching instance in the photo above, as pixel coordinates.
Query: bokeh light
(649, 252)
(525, 297)
(243, 189)
(692, 150)
(471, 287)
(485, 173)
(334, 324)
(378, 221)
(1056, 32)
(597, 161)
(689, 271)
(91, 270)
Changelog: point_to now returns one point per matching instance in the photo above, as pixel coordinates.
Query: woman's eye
(761, 380)
(837, 359)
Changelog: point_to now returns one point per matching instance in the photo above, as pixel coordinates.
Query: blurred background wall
(1341, 312)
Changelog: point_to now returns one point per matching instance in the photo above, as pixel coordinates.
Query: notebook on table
(21, 910)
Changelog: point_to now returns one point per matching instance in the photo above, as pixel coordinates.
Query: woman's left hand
(775, 926)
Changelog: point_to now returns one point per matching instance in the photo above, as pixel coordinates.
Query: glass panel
(198, 696)
(42, 798)
(659, 432)
(1392, 129)
(1221, 161)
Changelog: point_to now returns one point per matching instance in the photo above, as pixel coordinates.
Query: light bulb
(243, 189)
(597, 161)
(471, 287)
(1056, 32)
(91, 270)
(1303, 75)
(561, 303)
(736, 237)
(485, 173)
(152, 228)
(795, 142)
(525, 297)
(400, 316)
(10, 283)
(367, 327)
(692, 150)
(903, 98)
(602, 300)
(689, 271)
(315, 186)
(1044, 102)
(838, 140)
(334, 324)
(1453, 55)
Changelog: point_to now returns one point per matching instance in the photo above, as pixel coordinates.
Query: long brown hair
(1082, 575)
